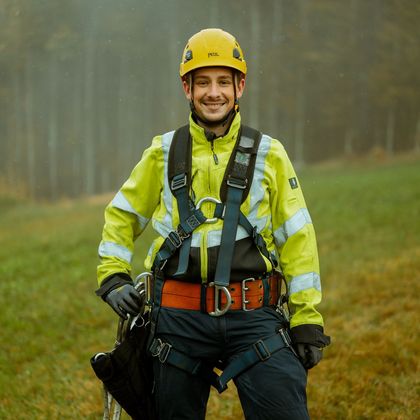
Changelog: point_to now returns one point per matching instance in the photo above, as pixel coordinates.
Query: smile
(214, 105)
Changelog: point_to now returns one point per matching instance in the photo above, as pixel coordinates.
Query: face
(213, 93)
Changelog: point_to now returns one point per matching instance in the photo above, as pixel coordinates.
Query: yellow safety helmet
(212, 47)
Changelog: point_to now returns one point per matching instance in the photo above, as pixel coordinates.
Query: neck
(219, 128)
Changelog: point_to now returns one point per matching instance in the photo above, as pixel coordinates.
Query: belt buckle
(245, 288)
(218, 311)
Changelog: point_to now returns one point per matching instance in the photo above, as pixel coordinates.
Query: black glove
(126, 299)
(308, 354)
(308, 341)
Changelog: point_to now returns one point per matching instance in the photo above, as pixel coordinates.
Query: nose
(214, 90)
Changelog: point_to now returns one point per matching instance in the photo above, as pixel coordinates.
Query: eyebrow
(204, 77)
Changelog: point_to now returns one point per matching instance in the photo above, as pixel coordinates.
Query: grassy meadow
(367, 218)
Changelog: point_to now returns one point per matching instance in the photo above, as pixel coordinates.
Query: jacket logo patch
(293, 183)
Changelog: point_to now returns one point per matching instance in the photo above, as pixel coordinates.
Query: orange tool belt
(247, 294)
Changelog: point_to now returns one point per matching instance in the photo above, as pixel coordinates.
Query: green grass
(367, 218)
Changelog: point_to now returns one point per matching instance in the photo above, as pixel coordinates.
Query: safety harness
(234, 190)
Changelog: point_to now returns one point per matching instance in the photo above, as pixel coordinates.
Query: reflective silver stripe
(162, 229)
(292, 226)
(304, 282)
(167, 194)
(120, 202)
(214, 237)
(256, 192)
(111, 249)
(196, 240)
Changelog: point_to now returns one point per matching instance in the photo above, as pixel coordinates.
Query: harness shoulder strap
(179, 174)
(237, 182)
(247, 145)
(179, 179)
(179, 163)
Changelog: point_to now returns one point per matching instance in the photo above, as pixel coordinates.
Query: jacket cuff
(112, 282)
(310, 334)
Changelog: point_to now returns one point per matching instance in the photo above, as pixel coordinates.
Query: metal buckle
(160, 350)
(237, 182)
(212, 200)
(178, 182)
(175, 239)
(244, 290)
(287, 340)
(285, 337)
(262, 350)
(182, 234)
(217, 300)
(164, 352)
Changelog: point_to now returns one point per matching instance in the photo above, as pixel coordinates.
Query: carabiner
(148, 279)
(211, 200)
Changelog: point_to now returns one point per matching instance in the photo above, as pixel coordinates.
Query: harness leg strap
(259, 352)
(168, 354)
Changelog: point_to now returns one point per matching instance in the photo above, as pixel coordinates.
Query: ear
(240, 88)
(187, 89)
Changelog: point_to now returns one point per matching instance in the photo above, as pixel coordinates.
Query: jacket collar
(198, 134)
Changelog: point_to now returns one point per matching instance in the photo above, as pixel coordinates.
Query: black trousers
(274, 389)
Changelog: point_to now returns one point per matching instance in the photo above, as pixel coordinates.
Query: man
(228, 210)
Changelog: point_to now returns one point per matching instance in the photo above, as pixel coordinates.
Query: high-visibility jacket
(275, 206)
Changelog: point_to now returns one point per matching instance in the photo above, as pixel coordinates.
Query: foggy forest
(86, 84)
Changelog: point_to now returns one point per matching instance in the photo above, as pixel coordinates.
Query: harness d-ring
(212, 200)
(218, 311)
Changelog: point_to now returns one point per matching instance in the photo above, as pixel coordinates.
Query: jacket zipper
(203, 247)
(215, 158)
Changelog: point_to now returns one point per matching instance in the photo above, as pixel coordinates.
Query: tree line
(85, 85)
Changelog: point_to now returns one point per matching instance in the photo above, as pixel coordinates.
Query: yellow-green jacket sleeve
(295, 240)
(127, 215)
